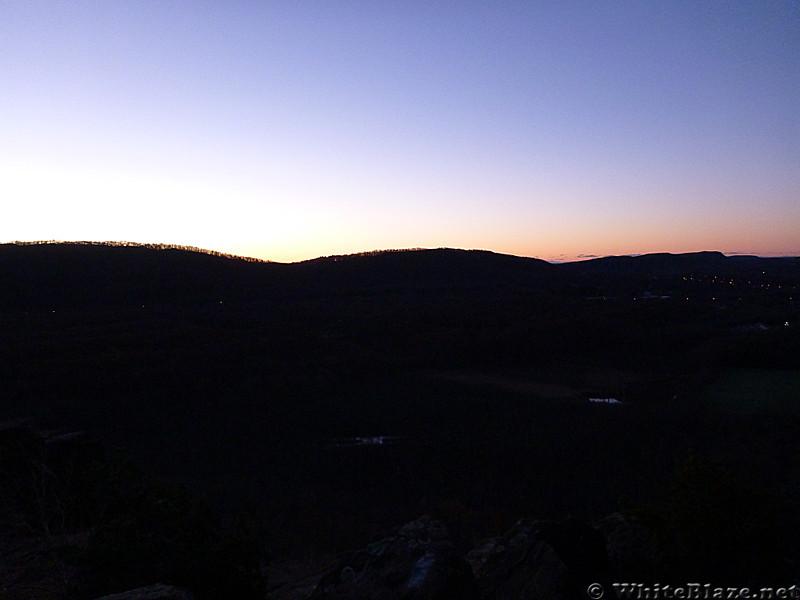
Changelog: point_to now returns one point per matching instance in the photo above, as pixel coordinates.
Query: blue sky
(289, 130)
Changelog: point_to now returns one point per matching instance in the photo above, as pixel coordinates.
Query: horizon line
(582, 257)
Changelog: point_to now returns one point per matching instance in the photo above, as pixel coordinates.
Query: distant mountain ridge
(44, 274)
(664, 265)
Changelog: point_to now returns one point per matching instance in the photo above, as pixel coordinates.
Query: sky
(288, 130)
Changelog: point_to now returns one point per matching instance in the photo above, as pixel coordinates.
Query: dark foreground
(259, 422)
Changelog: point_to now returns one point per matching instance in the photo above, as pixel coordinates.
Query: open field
(762, 391)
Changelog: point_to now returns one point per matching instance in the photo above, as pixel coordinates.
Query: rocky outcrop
(631, 548)
(535, 560)
(417, 562)
(541, 560)
(152, 592)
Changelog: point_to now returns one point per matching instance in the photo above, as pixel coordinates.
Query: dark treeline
(124, 244)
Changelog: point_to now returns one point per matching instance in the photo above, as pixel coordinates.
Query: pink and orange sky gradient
(293, 129)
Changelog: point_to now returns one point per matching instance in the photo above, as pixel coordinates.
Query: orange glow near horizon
(252, 130)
